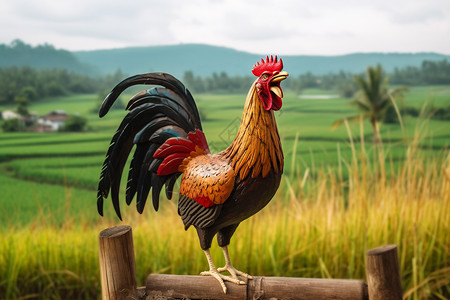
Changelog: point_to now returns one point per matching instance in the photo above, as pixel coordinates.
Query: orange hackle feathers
(256, 150)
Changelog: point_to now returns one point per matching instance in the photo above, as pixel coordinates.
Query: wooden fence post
(117, 263)
(383, 274)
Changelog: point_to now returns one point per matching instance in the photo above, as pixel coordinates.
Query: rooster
(217, 191)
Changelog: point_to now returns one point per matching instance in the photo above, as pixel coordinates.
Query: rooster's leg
(229, 267)
(214, 273)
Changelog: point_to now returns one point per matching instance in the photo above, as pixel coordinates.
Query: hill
(20, 54)
(204, 60)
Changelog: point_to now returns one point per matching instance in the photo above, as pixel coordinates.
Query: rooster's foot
(221, 278)
(234, 272)
(229, 267)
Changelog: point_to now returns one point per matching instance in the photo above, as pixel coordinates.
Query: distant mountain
(201, 59)
(19, 54)
(204, 60)
(358, 62)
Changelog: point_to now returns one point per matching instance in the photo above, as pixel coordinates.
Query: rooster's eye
(264, 77)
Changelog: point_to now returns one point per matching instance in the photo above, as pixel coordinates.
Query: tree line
(430, 72)
(343, 83)
(35, 84)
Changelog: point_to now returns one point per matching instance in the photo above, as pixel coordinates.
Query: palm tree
(373, 99)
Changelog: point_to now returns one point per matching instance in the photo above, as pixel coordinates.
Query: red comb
(270, 65)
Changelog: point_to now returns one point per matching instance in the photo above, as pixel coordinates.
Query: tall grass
(320, 224)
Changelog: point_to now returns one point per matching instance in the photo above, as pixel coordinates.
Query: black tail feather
(135, 165)
(170, 182)
(157, 183)
(155, 116)
(100, 203)
(115, 199)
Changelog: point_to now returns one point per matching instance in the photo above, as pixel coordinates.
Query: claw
(234, 272)
(221, 278)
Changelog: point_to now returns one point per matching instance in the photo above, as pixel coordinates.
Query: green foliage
(391, 116)
(430, 72)
(347, 89)
(22, 105)
(374, 98)
(13, 125)
(193, 83)
(438, 113)
(38, 84)
(217, 83)
(75, 123)
(442, 113)
(30, 93)
(222, 83)
(53, 89)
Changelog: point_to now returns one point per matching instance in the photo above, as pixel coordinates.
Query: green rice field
(340, 196)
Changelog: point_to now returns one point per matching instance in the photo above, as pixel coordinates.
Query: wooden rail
(118, 278)
(200, 287)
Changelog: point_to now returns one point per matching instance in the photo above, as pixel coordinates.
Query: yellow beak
(280, 76)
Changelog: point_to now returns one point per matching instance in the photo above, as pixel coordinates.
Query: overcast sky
(316, 27)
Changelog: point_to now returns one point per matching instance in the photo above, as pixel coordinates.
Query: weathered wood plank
(199, 287)
(308, 288)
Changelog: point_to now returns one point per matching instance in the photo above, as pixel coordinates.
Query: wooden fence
(118, 279)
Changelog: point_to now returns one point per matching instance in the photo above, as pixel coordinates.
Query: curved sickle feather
(163, 79)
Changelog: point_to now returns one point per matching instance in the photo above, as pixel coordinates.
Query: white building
(9, 114)
(52, 121)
